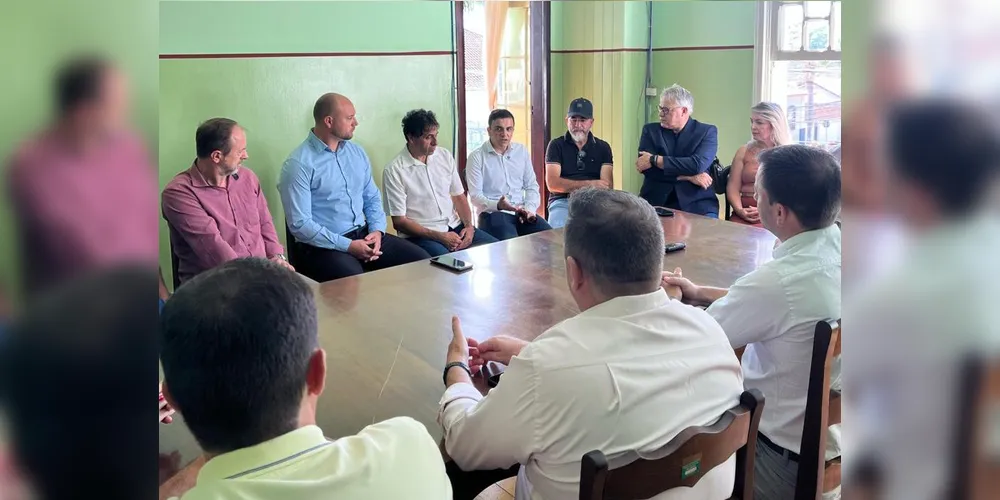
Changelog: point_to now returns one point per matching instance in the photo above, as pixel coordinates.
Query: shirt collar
(803, 239)
(685, 128)
(262, 454)
(198, 180)
(590, 138)
(626, 305)
(953, 232)
(409, 161)
(487, 147)
(317, 143)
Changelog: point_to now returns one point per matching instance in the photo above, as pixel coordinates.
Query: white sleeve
(474, 177)
(395, 192)
(753, 309)
(495, 431)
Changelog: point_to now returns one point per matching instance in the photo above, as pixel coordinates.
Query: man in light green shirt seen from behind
(243, 366)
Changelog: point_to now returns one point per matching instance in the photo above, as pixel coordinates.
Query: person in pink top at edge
(83, 189)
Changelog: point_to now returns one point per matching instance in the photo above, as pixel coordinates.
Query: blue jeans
(435, 248)
(558, 212)
(775, 474)
(506, 226)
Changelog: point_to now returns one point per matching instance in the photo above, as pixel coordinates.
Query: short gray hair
(617, 239)
(680, 95)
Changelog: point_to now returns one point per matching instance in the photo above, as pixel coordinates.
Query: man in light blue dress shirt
(333, 209)
(502, 183)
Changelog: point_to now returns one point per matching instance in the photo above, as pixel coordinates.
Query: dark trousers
(467, 485)
(506, 226)
(436, 248)
(322, 264)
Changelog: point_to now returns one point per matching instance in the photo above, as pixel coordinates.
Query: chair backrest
(173, 259)
(684, 460)
(812, 448)
(975, 473)
(833, 410)
(290, 247)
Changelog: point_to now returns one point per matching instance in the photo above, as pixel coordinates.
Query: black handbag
(720, 176)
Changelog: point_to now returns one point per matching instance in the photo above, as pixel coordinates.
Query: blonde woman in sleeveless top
(769, 129)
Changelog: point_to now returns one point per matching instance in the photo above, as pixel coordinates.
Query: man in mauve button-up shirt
(215, 209)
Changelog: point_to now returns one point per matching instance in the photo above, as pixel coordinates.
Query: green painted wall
(34, 38)
(273, 97)
(721, 80)
(304, 26)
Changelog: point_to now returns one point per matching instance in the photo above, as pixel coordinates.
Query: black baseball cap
(581, 107)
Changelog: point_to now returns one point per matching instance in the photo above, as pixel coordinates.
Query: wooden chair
(684, 460)
(822, 410)
(173, 260)
(976, 474)
(291, 248)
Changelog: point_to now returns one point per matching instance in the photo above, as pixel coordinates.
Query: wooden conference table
(386, 333)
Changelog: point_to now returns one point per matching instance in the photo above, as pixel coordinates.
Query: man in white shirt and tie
(773, 311)
(426, 199)
(502, 182)
(624, 376)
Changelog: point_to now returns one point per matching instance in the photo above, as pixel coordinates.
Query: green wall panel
(703, 23)
(296, 26)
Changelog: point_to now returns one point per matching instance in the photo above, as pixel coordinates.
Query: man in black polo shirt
(575, 161)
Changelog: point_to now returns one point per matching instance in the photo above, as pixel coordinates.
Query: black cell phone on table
(674, 247)
(663, 212)
(491, 372)
(457, 265)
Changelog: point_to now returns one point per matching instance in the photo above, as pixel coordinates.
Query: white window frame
(766, 48)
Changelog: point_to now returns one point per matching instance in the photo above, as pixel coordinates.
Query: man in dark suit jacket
(675, 155)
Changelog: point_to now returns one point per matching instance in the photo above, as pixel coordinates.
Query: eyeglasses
(580, 155)
(665, 110)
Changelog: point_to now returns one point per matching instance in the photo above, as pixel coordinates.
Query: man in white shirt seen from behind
(502, 182)
(624, 376)
(773, 311)
(919, 322)
(426, 199)
(246, 374)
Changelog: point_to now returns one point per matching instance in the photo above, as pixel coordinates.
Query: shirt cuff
(491, 205)
(274, 251)
(341, 243)
(458, 396)
(378, 226)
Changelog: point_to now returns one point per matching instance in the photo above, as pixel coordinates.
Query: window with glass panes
(798, 66)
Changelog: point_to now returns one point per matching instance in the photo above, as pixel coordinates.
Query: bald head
(327, 105)
(334, 115)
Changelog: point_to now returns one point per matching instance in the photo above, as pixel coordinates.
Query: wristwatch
(282, 257)
(453, 364)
